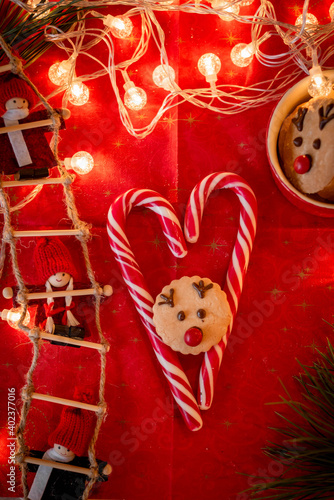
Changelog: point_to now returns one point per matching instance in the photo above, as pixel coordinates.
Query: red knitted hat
(74, 430)
(13, 86)
(51, 257)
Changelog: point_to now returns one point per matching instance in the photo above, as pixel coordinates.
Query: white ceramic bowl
(296, 95)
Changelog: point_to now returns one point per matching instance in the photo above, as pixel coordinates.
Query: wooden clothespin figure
(69, 443)
(24, 153)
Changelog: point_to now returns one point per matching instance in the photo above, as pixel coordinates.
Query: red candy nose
(193, 336)
(302, 164)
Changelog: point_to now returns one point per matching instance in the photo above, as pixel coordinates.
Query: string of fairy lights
(301, 54)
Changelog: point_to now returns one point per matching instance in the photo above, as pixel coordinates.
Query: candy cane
(237, 267)
(138, 289)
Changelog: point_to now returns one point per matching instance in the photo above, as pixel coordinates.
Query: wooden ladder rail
(102, 348)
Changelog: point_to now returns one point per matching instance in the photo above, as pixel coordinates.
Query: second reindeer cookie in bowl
(306, 147)
(191, 314)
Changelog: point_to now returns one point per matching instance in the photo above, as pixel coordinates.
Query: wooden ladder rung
(26, 126)
(58, 465)
(63, 293)
(5, 67)
(66, 402)
(47, 232)
(35, 182)
(68, 340)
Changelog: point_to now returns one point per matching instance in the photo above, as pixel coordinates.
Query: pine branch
(306, 454)
(24, 31)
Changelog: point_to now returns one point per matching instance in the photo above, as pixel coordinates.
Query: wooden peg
(8, 292)
(66, 402)
(58, 465)
(63, 293)
(35, 182)
(5, 67)
(46, 232)
(68, 340)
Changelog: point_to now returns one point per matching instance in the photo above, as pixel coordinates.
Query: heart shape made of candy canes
(134, 279)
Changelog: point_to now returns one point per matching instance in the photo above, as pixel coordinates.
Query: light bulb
(320, 85)
(120, 26)
(81, 162)
(162, 77)
(226, 9)
(78, 93)
(242, 54)
(12, 316)
(209, 65)
(135, 98)
(58, 72)
(331, 11)
(310, 20)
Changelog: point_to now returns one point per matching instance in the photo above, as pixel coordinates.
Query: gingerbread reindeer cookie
(306, 147)
(191, 314)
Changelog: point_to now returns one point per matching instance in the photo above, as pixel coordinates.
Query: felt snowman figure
(69, 442)
(24, 153)
(54, 267)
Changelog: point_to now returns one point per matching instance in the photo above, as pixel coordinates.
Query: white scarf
(71, 320)
(43, 474)
(16, 138)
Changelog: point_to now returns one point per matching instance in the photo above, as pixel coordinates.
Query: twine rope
(34, 333)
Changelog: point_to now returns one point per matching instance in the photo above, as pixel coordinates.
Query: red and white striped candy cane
(237, 267)
(138, 289)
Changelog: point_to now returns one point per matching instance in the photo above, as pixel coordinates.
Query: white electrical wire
(300, 51)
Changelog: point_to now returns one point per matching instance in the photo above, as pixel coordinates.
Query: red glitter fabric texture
(288, 290)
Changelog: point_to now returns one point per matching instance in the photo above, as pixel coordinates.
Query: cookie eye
(181, 316)
(298, 141)
(316, 144)
(201, 313)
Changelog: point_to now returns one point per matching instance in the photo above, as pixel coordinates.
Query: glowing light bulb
(78, 93)
(81, 162)
(120, 26)
(242, 54)
(12, 316)
(58, 72)
(320, 85)
(209, 65)
(331, 11)
(311, 20)
(135, 98)
(162, 76)
(227, 9)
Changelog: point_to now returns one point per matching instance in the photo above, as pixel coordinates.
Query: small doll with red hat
(55, 268)
(24, 153)
(69, 442)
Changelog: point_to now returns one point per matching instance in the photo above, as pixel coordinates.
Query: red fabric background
(287, 294)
